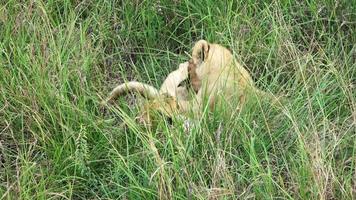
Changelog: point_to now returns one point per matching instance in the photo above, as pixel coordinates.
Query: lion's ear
(200, 51)
(205, 51)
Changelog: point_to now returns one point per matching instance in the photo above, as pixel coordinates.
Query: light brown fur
(221, 77)
(163, 101)
(195, 82)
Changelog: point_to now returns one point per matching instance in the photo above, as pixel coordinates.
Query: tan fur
(195, 82)
(170, 84)
(221, 76)
(163, 101)
(142, 88)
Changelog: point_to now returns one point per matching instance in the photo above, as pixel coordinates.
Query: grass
(59, 58)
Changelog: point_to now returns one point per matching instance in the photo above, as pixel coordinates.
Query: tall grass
(59, 58)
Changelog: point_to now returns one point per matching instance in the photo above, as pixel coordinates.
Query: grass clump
(58, 58)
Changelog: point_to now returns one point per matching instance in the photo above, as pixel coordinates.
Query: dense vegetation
(59, 58)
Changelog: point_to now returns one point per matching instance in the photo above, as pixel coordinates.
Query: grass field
(59, 58)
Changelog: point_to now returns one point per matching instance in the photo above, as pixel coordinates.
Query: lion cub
(217, 78)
